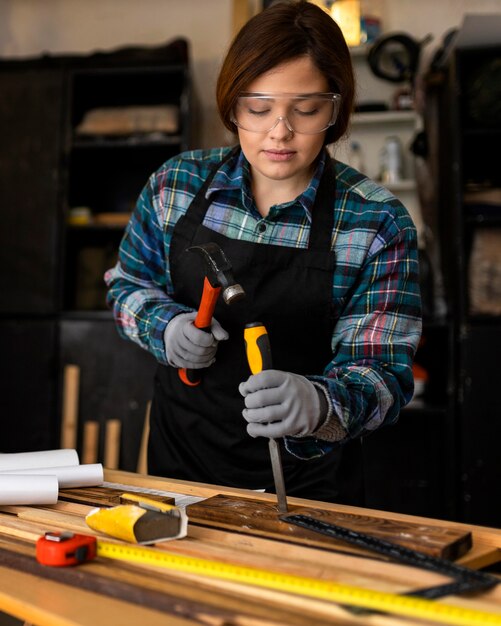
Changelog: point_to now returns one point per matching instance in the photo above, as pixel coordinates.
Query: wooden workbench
(187, 599)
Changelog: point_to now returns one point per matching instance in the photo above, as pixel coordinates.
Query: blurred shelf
(359, 51)
(401, 185)
(99, 143)
(90, 315)
(386, 117)
(421, 405)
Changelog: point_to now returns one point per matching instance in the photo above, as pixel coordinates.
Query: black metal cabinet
(52, 301)
(31, 108)
(28, 391)
(31, 119)
(480, 420)
(466, 91)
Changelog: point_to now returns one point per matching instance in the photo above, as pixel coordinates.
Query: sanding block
(145, 522)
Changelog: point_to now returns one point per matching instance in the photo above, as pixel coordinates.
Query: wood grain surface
(126, 591)
(262, 518)
(105, 496)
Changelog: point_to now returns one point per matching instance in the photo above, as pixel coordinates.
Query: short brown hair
(280, 33)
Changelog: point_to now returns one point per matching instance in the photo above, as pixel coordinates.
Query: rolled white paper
(45, 458)
(88, 475)
(15, 489)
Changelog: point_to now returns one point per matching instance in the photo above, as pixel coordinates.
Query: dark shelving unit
(470, 131)
(52, 309)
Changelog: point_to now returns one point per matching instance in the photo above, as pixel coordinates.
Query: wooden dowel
(69, 423)
(90, 442)
(142, 462)
(112, 443)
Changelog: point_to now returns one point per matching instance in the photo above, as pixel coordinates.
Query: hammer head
(219, 271)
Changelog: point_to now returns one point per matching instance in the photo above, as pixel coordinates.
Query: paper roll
(71, 476)
(17, 489)
(46, 458)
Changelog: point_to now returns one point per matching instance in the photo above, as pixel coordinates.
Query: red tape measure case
(61, 549)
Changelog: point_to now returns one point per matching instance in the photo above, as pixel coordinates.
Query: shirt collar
(235, 174)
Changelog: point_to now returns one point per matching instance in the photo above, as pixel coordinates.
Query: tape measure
(60, 549)
(311, 587)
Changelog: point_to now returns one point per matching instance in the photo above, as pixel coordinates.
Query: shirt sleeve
(370, 378)
(140, 287)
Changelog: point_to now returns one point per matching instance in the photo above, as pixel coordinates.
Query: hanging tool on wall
(257, 345)
(218, 277)
(395, 57)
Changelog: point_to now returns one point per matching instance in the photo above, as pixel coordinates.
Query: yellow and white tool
(144, 523)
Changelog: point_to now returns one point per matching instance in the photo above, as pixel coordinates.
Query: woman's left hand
(279, 404)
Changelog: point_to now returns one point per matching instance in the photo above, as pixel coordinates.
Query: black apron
(198, 433)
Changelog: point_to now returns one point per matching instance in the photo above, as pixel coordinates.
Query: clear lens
(306, 114)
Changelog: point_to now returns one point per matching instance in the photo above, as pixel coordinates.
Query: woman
(327, 260)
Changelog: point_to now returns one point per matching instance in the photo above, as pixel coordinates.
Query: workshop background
(95, 95)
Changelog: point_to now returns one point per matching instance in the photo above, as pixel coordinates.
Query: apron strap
(197, 209)
(322, 219)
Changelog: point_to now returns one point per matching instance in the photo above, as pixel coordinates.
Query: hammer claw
(218, 277)
(219, 271)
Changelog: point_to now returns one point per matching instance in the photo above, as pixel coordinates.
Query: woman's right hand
(189, 347)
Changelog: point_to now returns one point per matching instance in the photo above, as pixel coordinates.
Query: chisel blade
(278, 475)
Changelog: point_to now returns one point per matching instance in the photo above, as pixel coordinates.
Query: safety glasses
(307, 114)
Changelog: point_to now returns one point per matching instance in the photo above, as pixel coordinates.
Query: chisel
(258, 349)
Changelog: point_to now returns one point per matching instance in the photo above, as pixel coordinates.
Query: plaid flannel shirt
(375, 285)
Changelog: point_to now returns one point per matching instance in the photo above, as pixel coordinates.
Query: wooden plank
(42, 602)
(262, 553)
(176, 485)
(261, 518)
(105, 496)
(480, 556)
(488, 536)
(317, 612)
(90, 442)
(175, 598)
(252, 550)
(142, 461)
(54, 519)
(112, 443)
(69, 426)
(268, 553)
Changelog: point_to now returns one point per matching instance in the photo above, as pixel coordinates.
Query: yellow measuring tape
(320, 589)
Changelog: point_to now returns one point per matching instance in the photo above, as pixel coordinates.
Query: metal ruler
(402, 605)
(466, 580)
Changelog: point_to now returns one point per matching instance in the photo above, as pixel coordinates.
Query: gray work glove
(280, 404)
(189, 347)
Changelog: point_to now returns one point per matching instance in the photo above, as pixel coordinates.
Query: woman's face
(280, 154)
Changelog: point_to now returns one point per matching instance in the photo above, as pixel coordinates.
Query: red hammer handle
(207, 305)
(203, 321)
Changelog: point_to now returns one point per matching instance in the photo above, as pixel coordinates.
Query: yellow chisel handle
(257, 345)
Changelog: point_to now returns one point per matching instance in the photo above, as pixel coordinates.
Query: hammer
(218, 277)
